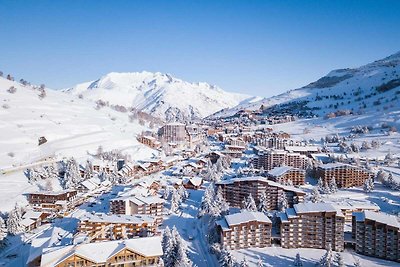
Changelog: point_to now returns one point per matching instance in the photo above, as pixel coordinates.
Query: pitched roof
(100, 252)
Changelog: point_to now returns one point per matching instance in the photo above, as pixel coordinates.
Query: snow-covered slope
(159, 94)
(71, 125)
(370, 88)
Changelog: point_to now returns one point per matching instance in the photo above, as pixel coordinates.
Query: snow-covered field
(72, 126)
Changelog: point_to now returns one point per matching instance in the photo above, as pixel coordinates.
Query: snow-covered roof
(196, 181)
(262, 179)
(279, 171)
(27, 222)
(380, 217)
(100, 252)
(140, 200)
(53, 193)
(316, 207)
(245, 217)
(335, 165)
(32, 214)
(353, 204)
(302, 148)
(117, 218)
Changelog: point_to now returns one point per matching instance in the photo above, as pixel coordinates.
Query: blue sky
(255, 47)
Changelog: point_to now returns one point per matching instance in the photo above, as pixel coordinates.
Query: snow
(315, 207)
(120, 218)
(101, 251)
(159, 94)
(379, 217)
(246, 216)
(279, 171)
(72, 126)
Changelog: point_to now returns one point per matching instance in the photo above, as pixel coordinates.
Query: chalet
(144, 251)
(192, 182)
(101, 226)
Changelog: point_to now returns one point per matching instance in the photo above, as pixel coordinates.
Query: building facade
(287, 175)
(377, 235)
(269, 159)
(130, 205)
(110, 227)
(130, 252)
(345, 175)
(245, 230)
(312, 225)
(237, 189)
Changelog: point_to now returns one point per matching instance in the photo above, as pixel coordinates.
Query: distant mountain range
(160, 95)
(374, 87)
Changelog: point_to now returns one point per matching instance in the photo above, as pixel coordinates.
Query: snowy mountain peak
(159, 94)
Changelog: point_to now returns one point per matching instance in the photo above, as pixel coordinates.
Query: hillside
(72, 126)
(368, 89)
(160, 95)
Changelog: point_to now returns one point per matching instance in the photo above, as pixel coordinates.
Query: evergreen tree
(3, 233)
(320, 186)
(72, 175)
(368, 185)
(249, 204)
(221, 203)
(180, 258)
(168, 244)
(244, 262)
(14, 221)
(315, 195)
(260, 262)
(282, 201)
(357, 263)
(339, 260)
(333, 186)
(227, 259)
(183, 193)
(297, 261)
(176, 201)
(207, 205)
(327, 259)
(263, 205)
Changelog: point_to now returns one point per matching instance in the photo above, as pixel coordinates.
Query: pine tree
(315, 195)
(357, 263)
(339, 260)
(179, 252)
(260, 262)
(244, 262)
(333, 186)
(167, 192)
(167, 244)
(88, 170)
(263, 205)
(249, 204)
(320, 185)
(14, 221)
(72, 175)
(183, 193)
(221, 203)
(327, 259)
(207, 205)
(227, 259)
(3, 233)
(368, 185)
(282, 201)
(297, 261)
(176, 200)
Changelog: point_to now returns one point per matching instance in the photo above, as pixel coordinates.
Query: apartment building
(244, 230)
(49, 201)
(102, 226)
(270, 158)
(130, 205)
(345, 175)
(377, 234)
(312, 225)
(173, 133)
(149, 140)
(130, 252)
(237, 189)
(349, 206)
(287, 175)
